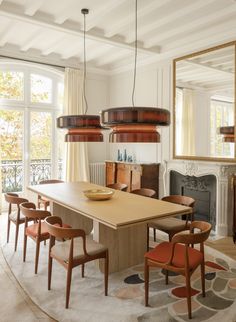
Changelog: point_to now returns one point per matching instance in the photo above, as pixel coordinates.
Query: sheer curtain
(188, 127)
(77, 166)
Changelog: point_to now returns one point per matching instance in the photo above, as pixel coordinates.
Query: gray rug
(126, 289)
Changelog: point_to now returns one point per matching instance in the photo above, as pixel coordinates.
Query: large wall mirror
(204, 103)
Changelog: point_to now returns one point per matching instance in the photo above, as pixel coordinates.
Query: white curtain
(77, 165)
(0, 183)
(188, 124)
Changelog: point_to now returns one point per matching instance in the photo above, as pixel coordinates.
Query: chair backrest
(50, 181)
(144, 192)
(54, 224)
(181, 200)
(14, 198)
(118, 186)
(28, 209)
(199, 237)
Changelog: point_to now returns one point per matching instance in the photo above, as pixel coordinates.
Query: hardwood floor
(224, 245)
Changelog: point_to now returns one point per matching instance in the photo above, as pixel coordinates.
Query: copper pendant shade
(228, 133)
(135, 124)
(82, 128)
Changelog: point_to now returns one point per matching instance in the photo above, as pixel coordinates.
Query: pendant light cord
(84, 76)
(136, 49)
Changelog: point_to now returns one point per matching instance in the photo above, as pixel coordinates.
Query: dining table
(119, 223)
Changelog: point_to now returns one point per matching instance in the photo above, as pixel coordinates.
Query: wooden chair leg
(154, 234)
(82, 270)
(16, 237)
(37, 256)
(8, 230)
(167, 276)
(106, 272)
(24, 247)
(49, 272)
(147, 238)
(146, 278)
(203, 278)
(188, 289)
(68, 283)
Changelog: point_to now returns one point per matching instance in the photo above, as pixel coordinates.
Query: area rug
(125, 302)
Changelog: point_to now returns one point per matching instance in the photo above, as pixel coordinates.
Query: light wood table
(118, 223)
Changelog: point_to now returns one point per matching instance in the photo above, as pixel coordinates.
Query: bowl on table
(99, 194)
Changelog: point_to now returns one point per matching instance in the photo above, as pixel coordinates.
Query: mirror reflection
(204, 102)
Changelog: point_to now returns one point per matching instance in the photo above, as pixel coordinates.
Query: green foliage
(11, 85)
(11, 134)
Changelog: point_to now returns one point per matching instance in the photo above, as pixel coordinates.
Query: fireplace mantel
(224, 191)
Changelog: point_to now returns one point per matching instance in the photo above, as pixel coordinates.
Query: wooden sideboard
(135, 175)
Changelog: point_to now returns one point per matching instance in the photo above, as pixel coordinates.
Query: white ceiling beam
(110, 57)
(96, 52)
(102, 12)
(29, 43)
(71, 52)
(196, 40)
(169, 18)
(208, 68)
(65, 13)
(127, 21)
(4, 35)
(32, 6)
(73, 32)
(194, 24)
(51, 48)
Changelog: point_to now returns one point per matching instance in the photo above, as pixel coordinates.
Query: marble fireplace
(210, 184)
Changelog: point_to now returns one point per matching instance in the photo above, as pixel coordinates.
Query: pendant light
(135, 124)
(82, 128)
(228, 133)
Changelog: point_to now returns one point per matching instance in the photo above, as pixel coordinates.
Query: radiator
(97, 173)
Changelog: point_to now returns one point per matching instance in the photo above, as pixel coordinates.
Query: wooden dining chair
(172, 225)
(37, 231)
(145, 192)
(42, 200)
(118, 186)
(178, 257)
(14, 216)
(77, 249)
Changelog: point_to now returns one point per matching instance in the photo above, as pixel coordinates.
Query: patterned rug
(125, 302)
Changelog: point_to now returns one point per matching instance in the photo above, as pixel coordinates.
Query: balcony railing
(13, 175)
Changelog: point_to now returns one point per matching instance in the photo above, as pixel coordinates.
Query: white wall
(97, 97)
(154, 89)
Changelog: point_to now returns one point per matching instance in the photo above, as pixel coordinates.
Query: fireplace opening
(202, 189)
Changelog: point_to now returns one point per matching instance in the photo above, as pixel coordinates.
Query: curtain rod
(31, 61)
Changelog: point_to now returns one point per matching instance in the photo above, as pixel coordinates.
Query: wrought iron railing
(13, 174)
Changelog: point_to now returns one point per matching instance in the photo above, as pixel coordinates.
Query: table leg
(75, 219)
(126, 245)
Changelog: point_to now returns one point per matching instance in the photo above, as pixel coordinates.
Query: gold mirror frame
(186, 157)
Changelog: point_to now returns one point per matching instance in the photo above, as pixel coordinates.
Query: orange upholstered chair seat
(32, 230)
(162, 252)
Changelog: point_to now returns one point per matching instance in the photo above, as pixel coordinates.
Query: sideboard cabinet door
(135, 175)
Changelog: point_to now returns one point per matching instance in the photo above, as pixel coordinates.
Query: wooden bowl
(99, 194)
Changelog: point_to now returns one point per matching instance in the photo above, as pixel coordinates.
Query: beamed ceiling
(52, 30)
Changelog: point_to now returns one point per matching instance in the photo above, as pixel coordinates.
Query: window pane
(12, 85)
(40, 146)
(11, 138)
(41, 89)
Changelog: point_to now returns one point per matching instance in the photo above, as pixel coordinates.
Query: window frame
(26, 106)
